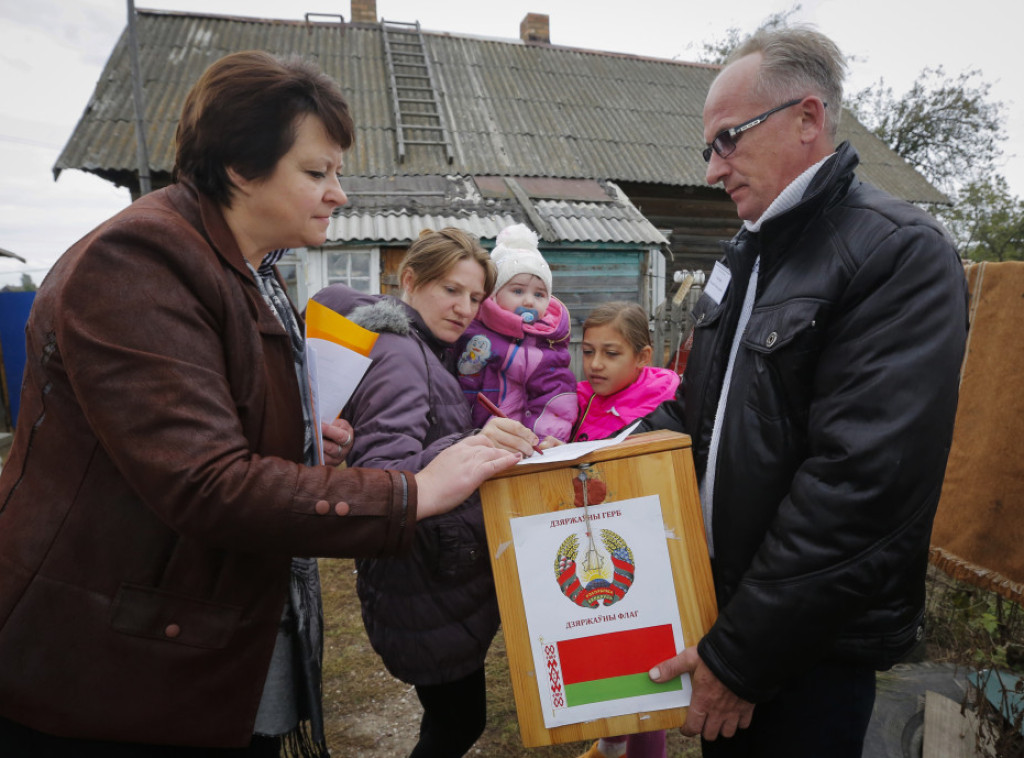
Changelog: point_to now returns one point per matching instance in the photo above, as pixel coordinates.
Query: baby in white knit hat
(516, 351)
(523, 285)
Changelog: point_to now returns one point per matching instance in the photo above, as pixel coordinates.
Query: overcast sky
(52, 53)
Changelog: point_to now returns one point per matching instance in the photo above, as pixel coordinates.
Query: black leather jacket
(836, 431)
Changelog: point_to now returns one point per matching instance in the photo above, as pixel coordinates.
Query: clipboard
(650, 464)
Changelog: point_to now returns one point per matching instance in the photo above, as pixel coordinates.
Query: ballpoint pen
(495, 411)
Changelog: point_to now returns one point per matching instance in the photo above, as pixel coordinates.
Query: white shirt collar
(789, 197)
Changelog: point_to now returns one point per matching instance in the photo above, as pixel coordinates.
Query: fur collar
(386, 315)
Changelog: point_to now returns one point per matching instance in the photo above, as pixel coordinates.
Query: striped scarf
(291, 708)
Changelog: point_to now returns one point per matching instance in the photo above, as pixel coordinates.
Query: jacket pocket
(156, 614)
(784, 341)
(455, 552)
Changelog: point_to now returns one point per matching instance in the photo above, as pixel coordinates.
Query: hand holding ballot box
(602, 571)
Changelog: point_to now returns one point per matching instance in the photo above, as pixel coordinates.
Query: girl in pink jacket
(620, 387)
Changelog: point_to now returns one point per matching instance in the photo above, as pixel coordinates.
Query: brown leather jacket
(151, 502)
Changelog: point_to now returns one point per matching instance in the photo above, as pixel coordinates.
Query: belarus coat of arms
(602, 577)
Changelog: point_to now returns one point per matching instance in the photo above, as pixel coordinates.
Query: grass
(979, 631)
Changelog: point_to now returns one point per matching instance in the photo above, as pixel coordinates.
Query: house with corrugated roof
(599, 152)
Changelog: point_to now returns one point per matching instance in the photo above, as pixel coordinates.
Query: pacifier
(529, 314)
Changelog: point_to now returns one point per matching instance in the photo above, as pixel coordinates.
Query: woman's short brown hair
(242, 114)
(434, 254)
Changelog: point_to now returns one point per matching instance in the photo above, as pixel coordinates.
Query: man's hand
(457, 471)
(714, 709)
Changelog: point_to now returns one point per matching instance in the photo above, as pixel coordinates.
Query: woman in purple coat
(430, 615)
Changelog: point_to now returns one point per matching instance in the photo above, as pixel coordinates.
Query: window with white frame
(306, 271)
(358, 268)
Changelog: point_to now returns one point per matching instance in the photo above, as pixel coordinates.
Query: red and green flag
(614, 666)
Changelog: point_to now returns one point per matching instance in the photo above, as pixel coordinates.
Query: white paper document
(573, 450)
(337, 357)
(334, 373)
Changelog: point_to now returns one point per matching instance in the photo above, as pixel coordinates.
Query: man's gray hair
(798, 61)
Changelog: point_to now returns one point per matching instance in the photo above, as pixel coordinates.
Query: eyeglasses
(724, 142)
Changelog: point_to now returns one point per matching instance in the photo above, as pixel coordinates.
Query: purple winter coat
(430, 614)
(523, 368)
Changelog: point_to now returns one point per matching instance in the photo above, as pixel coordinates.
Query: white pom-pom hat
(515, 252)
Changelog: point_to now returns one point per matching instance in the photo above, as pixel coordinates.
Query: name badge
(718, 283)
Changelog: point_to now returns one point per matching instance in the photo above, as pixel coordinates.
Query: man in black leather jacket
(820, 396)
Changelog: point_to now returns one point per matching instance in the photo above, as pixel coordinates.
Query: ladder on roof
(418, 116)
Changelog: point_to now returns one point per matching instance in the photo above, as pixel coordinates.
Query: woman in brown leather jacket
(161, 478)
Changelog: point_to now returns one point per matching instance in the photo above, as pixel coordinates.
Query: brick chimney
(364, 11)
(534, 28)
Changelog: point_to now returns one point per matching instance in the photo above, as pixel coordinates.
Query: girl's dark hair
(628, 318)
(243, 113)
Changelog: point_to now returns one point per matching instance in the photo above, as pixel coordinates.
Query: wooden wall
(695, 219)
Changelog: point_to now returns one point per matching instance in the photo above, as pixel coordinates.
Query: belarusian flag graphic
(614, 666)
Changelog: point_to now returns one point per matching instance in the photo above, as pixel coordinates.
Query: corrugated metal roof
(513, 108)
(403, 227)
(396, 209)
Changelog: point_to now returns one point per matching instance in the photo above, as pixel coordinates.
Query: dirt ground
(384, 726)
(370, 714)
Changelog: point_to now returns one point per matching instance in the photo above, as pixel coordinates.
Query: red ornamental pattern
(554, 676)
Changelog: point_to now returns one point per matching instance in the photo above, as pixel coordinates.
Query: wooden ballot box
(651, 464)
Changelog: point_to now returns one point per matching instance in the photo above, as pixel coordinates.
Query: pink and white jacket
(523, 368)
